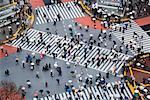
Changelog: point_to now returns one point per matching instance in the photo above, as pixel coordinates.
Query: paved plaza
(68, 55)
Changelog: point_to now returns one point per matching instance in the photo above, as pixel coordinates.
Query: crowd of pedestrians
(31, 61)
(129, 8)
(15, 21)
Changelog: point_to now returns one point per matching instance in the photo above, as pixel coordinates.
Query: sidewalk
(87, 21)
(37, 3)
(10, 50)
(143, 21)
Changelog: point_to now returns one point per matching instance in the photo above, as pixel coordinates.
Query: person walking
(7, 72)
(28, 83)
(23, 64)
(49, 65)
(17, 60)
(107, 75)
(58, 81)
(51, 73)
(46, 84)
(2, 49)
(6, 53)
(37, 75)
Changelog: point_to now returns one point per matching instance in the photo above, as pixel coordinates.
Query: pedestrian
(51, 73)
(17, 60)
(41, 55)
(23, 64)
(68, 64)
(58, 81)
(60, 72)
(33, 55)
(2, 49)
(107, 75)
(46, 84)
(68, 6)
(7, 72)
(54, 23)
(20, 48)
(37, 75)
(59, 17)
(49, 65)
(6, 53)
(28, 83)
(23, 95)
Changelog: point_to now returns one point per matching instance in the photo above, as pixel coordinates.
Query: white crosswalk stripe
(50, 39)
(52, 10)
(110, 93)
(128, 36)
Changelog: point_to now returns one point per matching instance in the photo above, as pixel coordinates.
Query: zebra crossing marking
(52, 10)
(94, 91)
(78, 50)
(128, 36)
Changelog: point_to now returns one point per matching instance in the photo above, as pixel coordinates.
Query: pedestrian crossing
(139, 42)
(58, 44)
(109, 93)
(67, 10)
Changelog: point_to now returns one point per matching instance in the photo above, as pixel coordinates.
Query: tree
(9, 91)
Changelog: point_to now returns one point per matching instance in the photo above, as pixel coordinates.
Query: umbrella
(32, 64)
(91, 35)
(121, 75)
(96, 83)
(112, 12)
(145, 90)
(116, 17)
(141, 87)
(106, 10)
(67, 63)
(29, 83)
(130, 13)
(138, 64)
(9, 27)
(17, 23)
(105, 16)
(55, 65)
(81, 42)
(90, 76)
(131, 17)
(136, 91)
(78, 33)
(23, 88)
(148, 96)
(126, 58)
(43, 52)
(69, 26)
(104, 31)
(109, 14)
(36, 93)
(113, 27)
(121, 15)
(82, 87)
(69, 81)
(33, 53)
